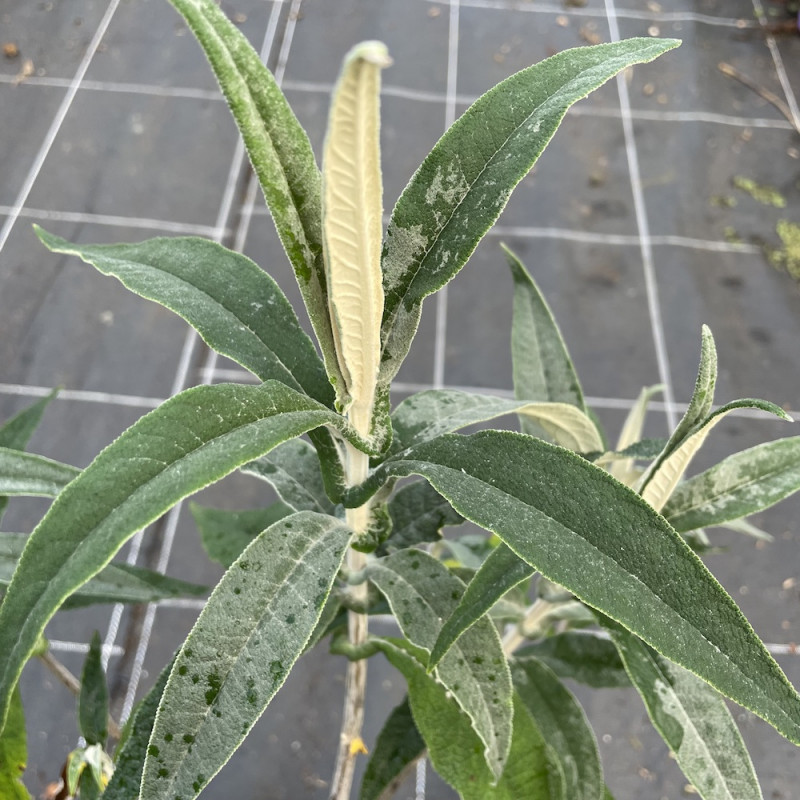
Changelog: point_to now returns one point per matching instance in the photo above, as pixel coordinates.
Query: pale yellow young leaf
(623, 469)
(352, 210)
(567, 424)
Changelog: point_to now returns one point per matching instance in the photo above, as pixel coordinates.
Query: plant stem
(350, 744)
(533, 616)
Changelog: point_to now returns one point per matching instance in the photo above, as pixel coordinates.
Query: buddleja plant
(346, 539)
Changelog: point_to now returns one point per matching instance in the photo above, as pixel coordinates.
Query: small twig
(74, 685)
(766, 94)
(533, 616)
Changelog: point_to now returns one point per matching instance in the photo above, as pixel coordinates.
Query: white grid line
(82, 396)
(55, 125)
(643, 225)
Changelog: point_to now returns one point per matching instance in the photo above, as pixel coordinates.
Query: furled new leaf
(27, 474)
(608, 548)
(431, 413)
(465, 181)
(397, 749)
(192, 440)
(500, 573)
(246, 640)
(631, 433)
(279, 151)
(293, 471)
(93, 698)
(693, 720)
(225, 534)
(13, 752)
(742, 484)
(422, 593)
(564, 726)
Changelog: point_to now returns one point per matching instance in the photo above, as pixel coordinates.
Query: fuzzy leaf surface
(587, 532)
(422, 592)
(225, 534)
(14, 752)
(398, 746)
(563, 724)
(279, 151)
(28, 474)
(693, 720)
(498, 574)
(583, 657)
(744, 483)
(237, 308)
(93, 699)
(292, 469)
(434, 412)
(189, 442)
(465, 181)
(241, 650)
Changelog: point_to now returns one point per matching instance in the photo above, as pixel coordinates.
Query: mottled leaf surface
(239, 653)
(422, 593)
(27, 474)
(587, 532)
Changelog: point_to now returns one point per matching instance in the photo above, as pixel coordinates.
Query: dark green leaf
(465, 181)
(246, 640)
(398, 747)
(13, 752)
(26, 474)
(226, 533)
(584, 530)
(93, 699)
(501, 571)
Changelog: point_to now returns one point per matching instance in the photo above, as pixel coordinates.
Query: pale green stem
(530, 623)
(357, 467)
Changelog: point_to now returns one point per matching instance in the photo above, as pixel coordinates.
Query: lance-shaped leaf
(279, 151)
(26, 474)
(587, 532)
(693, 720)
(418, 513)
(465, 181)
(667, 470)
(352, 211)
(116, 583)
(237, 308)
(17, 431)
(225, 534)
(543, 369)
(631, 433)
(292, 469)
(93, 698)
(132, 750)
(239, 653)
(500, 573)
(422, 592)
(583, 657)
(192, 440)
(14, 752)
(397, 749)
(742, 484)
(431, 413)
(453, 746)
(563, 724)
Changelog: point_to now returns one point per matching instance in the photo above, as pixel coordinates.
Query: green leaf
(693, 720)
(237, 308)
(543, 369)
(279, 151)
(587, 532)
(418, 513)
(455, 750)
(422, 592)
(631, 434)
(26, 474)
(116, 583)
(226, 533)
(17, 431)
(742, 484)
(465, 181)
(13, 752)
(434, 412)
(582, 657)
(398, 747)
(292, 469)
(246, 640)
(501, 572)
(189, 442)
(93, 698)
(748, 529)
(564, 726)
